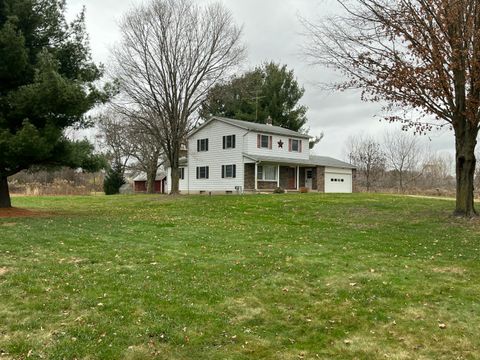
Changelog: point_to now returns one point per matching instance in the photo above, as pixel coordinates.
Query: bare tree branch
(412, 54)
(172, 52)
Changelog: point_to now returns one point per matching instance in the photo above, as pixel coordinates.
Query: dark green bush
(113, 181)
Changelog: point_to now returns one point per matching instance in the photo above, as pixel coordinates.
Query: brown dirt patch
(18, 213)
(3, 271)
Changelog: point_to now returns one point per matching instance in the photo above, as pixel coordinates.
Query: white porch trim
(298, 178)
(278, 175)
(256, 176)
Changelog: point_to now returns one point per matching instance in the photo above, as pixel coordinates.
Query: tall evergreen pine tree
(47, 84)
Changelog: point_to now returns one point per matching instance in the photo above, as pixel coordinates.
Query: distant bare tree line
(398, 161)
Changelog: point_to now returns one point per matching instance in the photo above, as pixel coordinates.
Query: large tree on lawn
(420, 56)
(46, 85)
(268, 90)
(171, 53)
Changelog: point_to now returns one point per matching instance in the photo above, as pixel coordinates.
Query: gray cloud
(272, 31)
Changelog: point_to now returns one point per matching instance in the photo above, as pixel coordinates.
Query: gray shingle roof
(143, 177)
(330, 162)
(263, 128)
(313, 161)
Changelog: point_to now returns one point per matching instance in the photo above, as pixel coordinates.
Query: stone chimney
(269, 121)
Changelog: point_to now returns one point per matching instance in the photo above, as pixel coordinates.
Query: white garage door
(338, 183)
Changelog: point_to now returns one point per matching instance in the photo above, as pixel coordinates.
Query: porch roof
(312, 161)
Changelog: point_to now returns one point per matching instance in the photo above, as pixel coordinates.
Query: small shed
(140, 183)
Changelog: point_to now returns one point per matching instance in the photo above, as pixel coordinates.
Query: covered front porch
(267, 176)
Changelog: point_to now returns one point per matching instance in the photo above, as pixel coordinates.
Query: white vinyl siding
(280, 146)
(183, 183)
(216, 157)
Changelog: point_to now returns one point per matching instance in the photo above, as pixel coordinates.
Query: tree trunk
(465, 143)
(400, 177)
(367, 176)
(151, 176)
(174, 167)
(4, 194)
(175, 180)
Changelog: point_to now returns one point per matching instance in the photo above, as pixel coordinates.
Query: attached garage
(338, 180)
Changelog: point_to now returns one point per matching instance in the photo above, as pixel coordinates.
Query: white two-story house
(234, 156)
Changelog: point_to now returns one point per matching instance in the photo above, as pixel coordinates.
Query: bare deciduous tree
(147, 152)
(131, 145)
(115, 140)
(413, 54)
(437, 169)
(367, 155)
(403, 155)
(171, 53)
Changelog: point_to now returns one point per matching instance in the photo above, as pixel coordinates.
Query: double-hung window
(202, 145)
(229, 142)
(295, 145)
(267, 173)
(229, 171)
(202, 172)
(264, 141)
(181, 173)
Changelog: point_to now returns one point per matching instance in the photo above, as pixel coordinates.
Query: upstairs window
(264, 141)
(202, 145)
(202, 172)
(229, 171)
(229, 142)
(295, 145)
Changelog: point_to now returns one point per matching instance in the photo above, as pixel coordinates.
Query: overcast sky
(272, 31)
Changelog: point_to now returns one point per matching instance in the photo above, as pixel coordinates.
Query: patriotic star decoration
(280, 144)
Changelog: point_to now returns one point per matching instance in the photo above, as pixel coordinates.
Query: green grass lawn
(274, 277)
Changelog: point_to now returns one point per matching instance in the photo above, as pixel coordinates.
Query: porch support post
(256, 176)
(298, 178)
(278, 176)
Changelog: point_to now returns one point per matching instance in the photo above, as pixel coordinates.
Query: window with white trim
(267, 173)
(229, 171)
(264, 141)
(295, 145)
(202, 145)
(202, 172)
(181, 173)
(229, 142)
